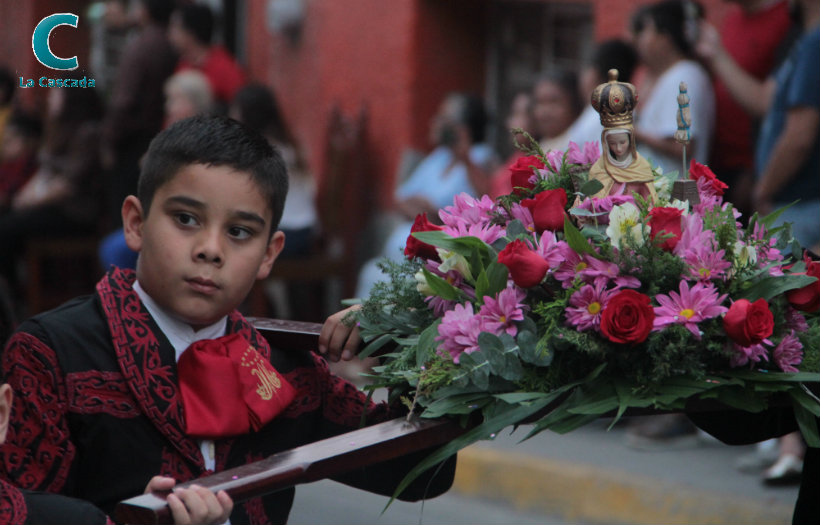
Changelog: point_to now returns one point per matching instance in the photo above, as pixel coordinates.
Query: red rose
(627, 318)
(807, 298)
(698, 170)
(527, 268)
(547, 209)
(668, 221)
(521, 171)
(749, 323)
(416, 248)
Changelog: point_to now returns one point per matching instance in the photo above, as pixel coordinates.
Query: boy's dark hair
(214, 141)
(26, 124)
(471, 113)
(198, 20)
(678, 19)
(159, 10)
(617, 54)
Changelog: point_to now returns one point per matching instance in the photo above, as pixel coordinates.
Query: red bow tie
(229, 388)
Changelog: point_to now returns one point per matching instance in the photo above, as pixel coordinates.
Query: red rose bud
(547, 209)
(668, 221)
(416, 248)
(748, 323)
(627, 318)
(527, 268)
(698, 170)
(807, 298)
(522, 170)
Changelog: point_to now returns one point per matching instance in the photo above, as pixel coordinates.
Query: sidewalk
(592, 476)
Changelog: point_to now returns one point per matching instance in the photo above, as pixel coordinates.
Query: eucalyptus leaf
(591, 187)
(516, 229)
(576, 239)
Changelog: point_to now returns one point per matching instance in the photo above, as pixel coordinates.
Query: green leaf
(441, 287)
(770, 287)
(457, 404)
(770, 219)
(485, 430)
(591, 187)
(808, 425)
(576, 239)
(529, 352)
(516, 229)
(466, 246)
(497, 275)
(427, 343)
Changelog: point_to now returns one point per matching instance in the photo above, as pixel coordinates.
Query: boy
(103, 405)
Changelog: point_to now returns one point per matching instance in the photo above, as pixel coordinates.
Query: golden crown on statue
(614, 101)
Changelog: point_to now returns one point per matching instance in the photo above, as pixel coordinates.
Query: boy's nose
(209, 249)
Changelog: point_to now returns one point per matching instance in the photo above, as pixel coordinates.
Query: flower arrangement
(553, 307)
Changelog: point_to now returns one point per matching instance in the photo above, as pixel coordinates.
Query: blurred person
(664, 37)
(111, 28)
(753, 34)
(8, 84)
(556, 105)
(18, 154)
(787, 152)
(461, 162)
(520, 116)
(187, 93)
(63, 197)
(135, 109)
(255, 106)
(609, 54)
(191, 31)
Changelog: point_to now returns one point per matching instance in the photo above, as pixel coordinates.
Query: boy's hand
(195, 504)
(340, 337)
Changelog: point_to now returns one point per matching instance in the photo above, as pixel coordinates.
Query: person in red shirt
(190, 32)
(753, 33)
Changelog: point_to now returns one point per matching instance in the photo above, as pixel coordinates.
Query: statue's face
(619, 145)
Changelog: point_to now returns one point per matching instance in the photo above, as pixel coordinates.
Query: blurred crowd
(753, 82)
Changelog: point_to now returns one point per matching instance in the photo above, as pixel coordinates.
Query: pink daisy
(458, 331)
(788, 353)
(584, 311)
(498, 314)
(487, 232)
(705, 263)
(747, 355)
(571, 266)
(690, 307)
(602, 272)
(550, 248)
(467, 210)
(588, 155)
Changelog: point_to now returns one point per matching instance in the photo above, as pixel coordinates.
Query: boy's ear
(6, 396)
(132, 220)
(274, 248)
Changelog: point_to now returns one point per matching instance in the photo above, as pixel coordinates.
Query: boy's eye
(185, 219)
(239, 232)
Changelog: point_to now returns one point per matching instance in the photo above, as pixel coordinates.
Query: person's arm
(790, 152)
(479, 175)
(753, 95)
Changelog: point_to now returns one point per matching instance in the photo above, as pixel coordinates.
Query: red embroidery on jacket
(13, 510)
(38, 451)
(96, 392)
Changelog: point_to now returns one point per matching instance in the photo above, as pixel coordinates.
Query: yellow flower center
(627, 225)
(687, 313)
(503, 319)
(450, 279)
(705, 273)
(594, 308)
(580, 266)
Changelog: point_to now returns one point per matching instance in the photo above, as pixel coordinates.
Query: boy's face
(203, 243)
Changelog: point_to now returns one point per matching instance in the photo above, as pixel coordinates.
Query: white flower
(453, 261)
(681, 205)
(625, 224)
(421, 284)
(745, 255)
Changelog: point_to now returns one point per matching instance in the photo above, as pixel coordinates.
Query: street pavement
(590, 476)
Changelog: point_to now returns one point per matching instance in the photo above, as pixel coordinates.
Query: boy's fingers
(227, 505)
(178, 510)
(160, 483)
